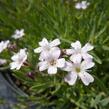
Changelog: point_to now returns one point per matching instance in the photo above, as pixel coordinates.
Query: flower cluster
(50, 56)
(19, 58)
(80, 62)
(77, 65)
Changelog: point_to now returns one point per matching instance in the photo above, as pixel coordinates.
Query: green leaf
(98, 98)
(105, 101)
(96, 101)
(100, 32)
(39, 85)
(105, 47)
(96, 58)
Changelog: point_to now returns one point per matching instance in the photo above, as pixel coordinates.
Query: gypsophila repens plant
(58, 50)
(52, 58)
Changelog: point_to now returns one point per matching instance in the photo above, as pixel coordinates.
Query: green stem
(77, 104)
(4, 68)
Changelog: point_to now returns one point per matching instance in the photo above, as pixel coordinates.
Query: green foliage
(59, 19)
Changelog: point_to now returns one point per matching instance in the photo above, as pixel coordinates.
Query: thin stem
(4, 68)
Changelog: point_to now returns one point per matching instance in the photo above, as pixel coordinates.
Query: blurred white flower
(3, 45)
(52, 62)
(46, 47)
(18, 34)
(82, 5)
(77, 52)
(79, 70)
(3, 61)
(18, 59)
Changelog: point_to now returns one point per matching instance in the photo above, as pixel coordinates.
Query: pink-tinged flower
(52, 62)
(46, 47)
(77, 52)
(4, 45)
(79, 70)
(18, 59)
(18, 34)
(82, 5)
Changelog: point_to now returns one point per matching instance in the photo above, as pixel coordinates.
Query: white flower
(78, 70)
(46, 47)
(18, 34)
(77, 52)
(18, 59)
(3, 45)
(2, 61)
(82, 5)
(52, 63)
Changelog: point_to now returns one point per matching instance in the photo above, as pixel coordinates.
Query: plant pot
(8, 81)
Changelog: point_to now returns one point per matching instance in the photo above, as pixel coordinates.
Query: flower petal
(55, 42)
(84, 4)
(68, 67)
(15, 57)
(55, 52)
(4, 45)
(87, 47)
(14, 65)
(87, 65)
(76, 45)
(87, 56)
(19, 58)
(38, 50)
(52, 70)
(44, 56)
(60, 62)
(78, 6)
(3, 61)
(22, 55)
(44, 42)
(69, 51)
(86, 78)
(19, 66)
(43, 65)
(76, 58)
(71, 78)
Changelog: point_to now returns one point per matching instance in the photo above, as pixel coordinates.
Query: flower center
(77, 69)
(52, 62)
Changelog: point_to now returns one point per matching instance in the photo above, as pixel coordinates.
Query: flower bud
(31, 75)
